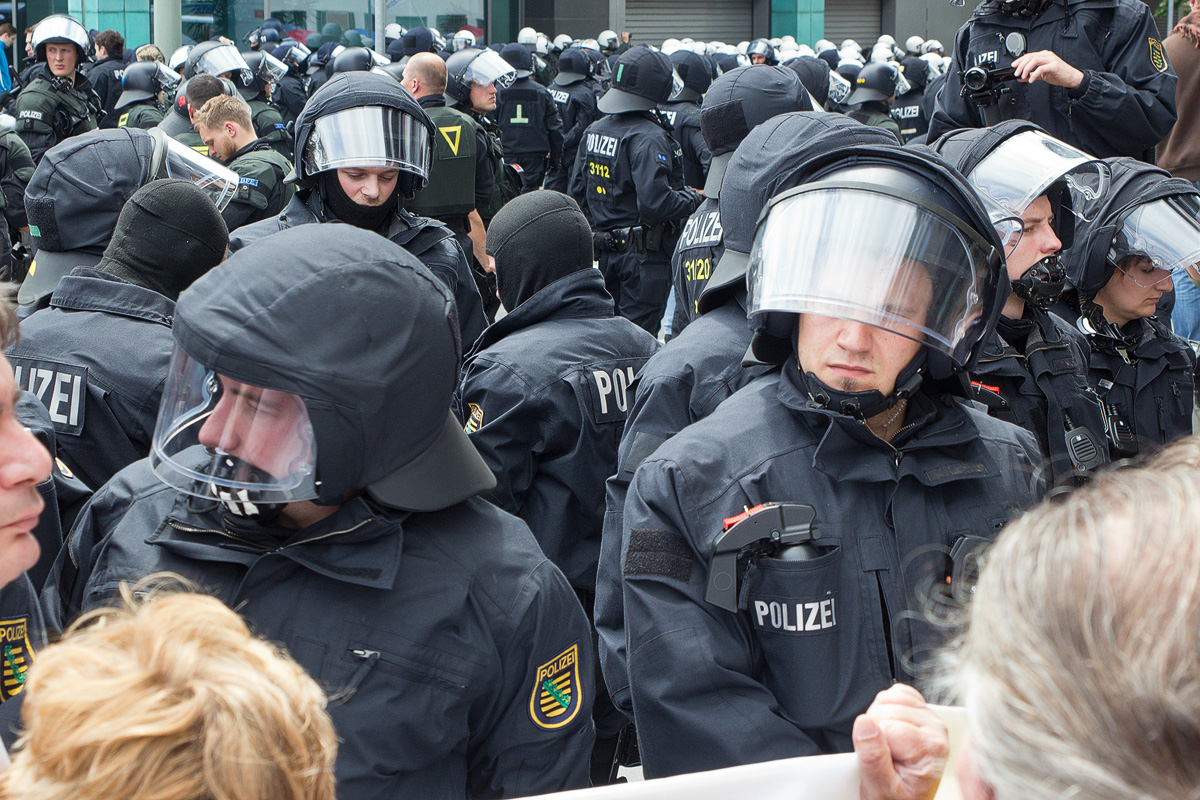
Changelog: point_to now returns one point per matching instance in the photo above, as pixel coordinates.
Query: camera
(978, 80)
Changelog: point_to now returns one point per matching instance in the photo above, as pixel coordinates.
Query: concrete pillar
(168, 26)
(380, 42)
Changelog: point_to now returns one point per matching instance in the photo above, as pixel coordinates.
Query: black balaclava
(536, 239)
(370, 218)
(169, 233)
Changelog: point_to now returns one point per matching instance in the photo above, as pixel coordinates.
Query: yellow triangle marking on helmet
(457, 131)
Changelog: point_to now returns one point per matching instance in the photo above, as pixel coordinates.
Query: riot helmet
(143, 80)
(880, 82)
(362, 119)
(64, 29)
(695, 76)
(574, 65)
(849, 70)
(933, 46)
(219, 60)
(269, 37)
(294, 55)
(916, 72)
(561, 42)
(642, 80)
(763, 49)
(608, 41)
(266, 69)
(392, 31)
(462, 40)
(255, 416)
(912, 46)
(178, 59)
(358, 59)
(527, 36)
(482, 67)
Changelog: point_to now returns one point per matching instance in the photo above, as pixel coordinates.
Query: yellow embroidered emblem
(457, 131)
(1158, 58)
(556, 700)
(474, 419)
(18, 655)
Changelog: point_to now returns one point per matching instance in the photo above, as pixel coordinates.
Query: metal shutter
(853, 19)
(652, 21)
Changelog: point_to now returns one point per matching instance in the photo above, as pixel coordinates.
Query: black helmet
(358, 59)
(64, 29)
(916, 71)
(483, 67)
(642, 79)
(762, 47)
(269, 36)
(695, 75)
(218, 59)
(520, 57)
(1146, 213)
(265, 68)
(392, 70)
(389, 127)
(849, 70)
(574, 65)
(294, 54)
(877, 81)
(143, 80)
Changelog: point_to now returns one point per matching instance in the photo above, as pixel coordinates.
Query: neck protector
(370, 218)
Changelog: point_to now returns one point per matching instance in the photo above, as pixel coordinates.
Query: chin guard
(1043, 283)
(241, 502)
(765, 528)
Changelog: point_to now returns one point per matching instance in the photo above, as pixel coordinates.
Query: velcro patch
(955, 471)
(657, 552)
(18, 655)
(643, 446)
(556, 697)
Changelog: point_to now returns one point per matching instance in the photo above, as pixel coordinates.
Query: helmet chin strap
(864, 405)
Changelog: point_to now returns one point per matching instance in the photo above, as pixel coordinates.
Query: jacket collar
(87, 289)
(580, 295)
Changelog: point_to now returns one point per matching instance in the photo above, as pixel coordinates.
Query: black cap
(573, 67)
(74, 199)
(740, 100)
(775, 156)
(641, 80)
(519, 57)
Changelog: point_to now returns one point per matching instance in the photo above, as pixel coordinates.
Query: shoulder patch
(63, 468)
(474, 419)
(18, 655)
(249, 181)
(124, 120)
(1158, 58)
(556, 700)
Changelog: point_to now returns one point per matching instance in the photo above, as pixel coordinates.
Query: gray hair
(1081, 660)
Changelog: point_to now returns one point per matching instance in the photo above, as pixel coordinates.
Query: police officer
(291, 92)
(355, 59)
(752, 98)
(1033, 370)
(572, 91)
(701, 367)
(762, 51)
(142, 100)
(59, 101)
(106, 73)
(190, 98)
(456, 651)
(97, 357)
(907, 108)
(629, 172)
(1128, 243)
(226, 128)
(682, 111)
(874, 89)
(875, 480)
(16, 170)
(544, 394)
(265, 116)
(365, 148)
(1091, 74)
(220, 60)
(531, 132)
(76, 194)
(462, 171)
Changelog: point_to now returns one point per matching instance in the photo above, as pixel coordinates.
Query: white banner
(832, 777)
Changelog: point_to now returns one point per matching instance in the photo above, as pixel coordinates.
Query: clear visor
(902, 84)
(1157, 239)
(839, 88)
(296, 54)
(758, 49)
(1009, 226)
(1024, 166)
(369, 136)
(271, 68)
(861, 255)
(487, 68)
(217, 180)
(221, 60)
(217, 434)
(167, 78)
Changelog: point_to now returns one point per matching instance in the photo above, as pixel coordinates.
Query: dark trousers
(639, 284)
(533, 169)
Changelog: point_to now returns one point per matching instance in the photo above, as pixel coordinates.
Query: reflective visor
(369, 136)
(1024, 166)
(271, 68)
(866, 256)
(217, 433)
(180, 161)
(488, 67)
(839, 88)
(296, 54)
(220, 60)
(1158, 238)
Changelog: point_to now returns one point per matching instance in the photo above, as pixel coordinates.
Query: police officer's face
(1133, 291)
(368, 186)
(60, 58)
(857, 357)
(758, 58)
(263, 427)
(1037, 238)
(483, 98)
(24, 463)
